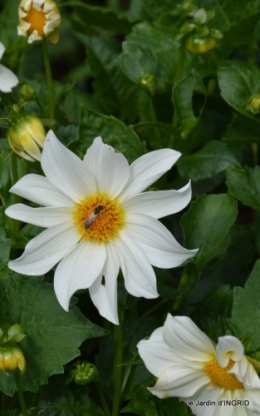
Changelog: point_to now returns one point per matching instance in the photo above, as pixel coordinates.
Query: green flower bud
(11, 358)
(148, 82)
(27, 92)
(200, 45)
(84, 373)
(25, 136)
(253, 104)
(200, 17)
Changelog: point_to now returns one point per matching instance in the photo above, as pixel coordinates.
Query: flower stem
(103, 399)
(17, 378)
(182, 284)
(118, 369)
(49, 79)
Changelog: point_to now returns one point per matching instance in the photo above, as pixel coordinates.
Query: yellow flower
(25, 137)
(38, 19)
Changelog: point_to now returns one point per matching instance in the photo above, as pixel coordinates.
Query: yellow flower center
(98, 218)
(37, 19)
(220, 377)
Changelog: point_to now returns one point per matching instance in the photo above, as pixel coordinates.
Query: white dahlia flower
(39, 19)
(8, 79)
(98, 220)
(212, 379)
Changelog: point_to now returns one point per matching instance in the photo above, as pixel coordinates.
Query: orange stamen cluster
(37, 19)
(106, 225)
(220, 377)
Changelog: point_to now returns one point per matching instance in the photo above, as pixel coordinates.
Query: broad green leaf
(150, 131)
(206, 225)
(137, 61)
(142, 403)
(242, 130)
(53, 336)
(60, 399)
(102, 18)
(171, 406)
(113, 132)
(155, 8)
(244, 184)
(182, 96)
(246, 308)
(238, 81)
(5, 246)
(242, 33)
(5, 175)
(161, 40)
(111, 84)
(227, 11)
(211, 313)
(213, 158)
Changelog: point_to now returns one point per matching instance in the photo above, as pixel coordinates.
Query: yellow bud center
(220, 377)
(98, 218)
(37, 19)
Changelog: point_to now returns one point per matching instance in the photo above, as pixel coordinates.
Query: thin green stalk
(18, 383)
(49, 78)
(103, 399)
(154, 120)
(180, 67)
(118, 368)
(153, 308)
(182, 284)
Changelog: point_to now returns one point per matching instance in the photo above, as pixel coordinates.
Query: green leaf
(246, 308)
(227, 11)
(137, 61)
(238, 81)
(242, 130)
(5, 247)
(182, 97)
(59, 399)
(206, 225)
(5, 177)
(113, 132)
(111, 84)
(242, 33)
(244, 184)
(155, 9)
(149, 132)
(212, 312)
(213, 158)
(158, 38)
(103, 18)
(142, 403)
(171, 406)
(53, 336)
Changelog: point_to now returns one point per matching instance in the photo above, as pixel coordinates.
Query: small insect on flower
(97, 211)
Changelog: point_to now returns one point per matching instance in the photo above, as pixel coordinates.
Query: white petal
(34, 36)
(38, 189)
(147, 169)
(246, 373)
(159, 204)
(159, 245)
(65, 170)
(104, 296)
(156, 354)
(229, 347)
(78, 270)
(205, 395)
(2, 50)
(8, 79)
(187, 340)
(43, 217)
(109, 167)
(45, 250)
(140, 279)
(179, 381)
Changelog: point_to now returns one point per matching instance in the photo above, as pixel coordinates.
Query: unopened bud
(253, 104)
(84, 373)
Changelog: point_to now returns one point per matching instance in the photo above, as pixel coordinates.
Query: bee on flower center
(97, 211)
